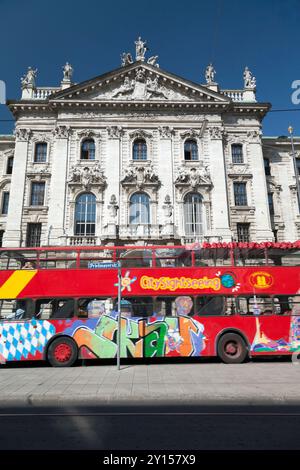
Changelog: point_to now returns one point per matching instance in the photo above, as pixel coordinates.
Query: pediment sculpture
(140, 176)
(87, 176)
(193, 177)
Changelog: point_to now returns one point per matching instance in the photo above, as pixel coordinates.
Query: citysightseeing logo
(175, 283)
(261, 280)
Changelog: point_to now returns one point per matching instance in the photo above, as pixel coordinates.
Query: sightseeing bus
(231, 300)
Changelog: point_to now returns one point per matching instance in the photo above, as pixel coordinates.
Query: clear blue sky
(187, 35)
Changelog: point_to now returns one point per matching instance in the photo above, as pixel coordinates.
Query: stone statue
(210, 74)
(68, 72)
(168, 209)
(75, 175)
(153, 60)
(249, 80)
(29, 78)
(140, 48)
(126, 59)
(112, 209)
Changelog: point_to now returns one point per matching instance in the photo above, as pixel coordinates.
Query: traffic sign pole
(119, 318)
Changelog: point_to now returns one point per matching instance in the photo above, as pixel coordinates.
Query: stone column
(58, 186)
(219, 198)
(262, 214)
(13, 233)
(166, 176)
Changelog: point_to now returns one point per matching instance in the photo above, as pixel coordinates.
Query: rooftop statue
(210, 74)
(29, 78)
(68, 72)
(249, 80)
(140, 49)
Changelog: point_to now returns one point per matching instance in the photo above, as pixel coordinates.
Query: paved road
(204, 405)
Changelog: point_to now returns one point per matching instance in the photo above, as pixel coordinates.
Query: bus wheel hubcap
(62, 352)
(232, 348)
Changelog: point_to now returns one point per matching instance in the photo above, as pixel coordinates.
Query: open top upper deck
(147, 256)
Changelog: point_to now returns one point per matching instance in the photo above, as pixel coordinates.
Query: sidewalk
(265, 383)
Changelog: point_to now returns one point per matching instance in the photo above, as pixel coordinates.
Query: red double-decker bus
(232, 300)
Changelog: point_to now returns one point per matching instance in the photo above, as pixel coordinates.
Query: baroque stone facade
(141, 154)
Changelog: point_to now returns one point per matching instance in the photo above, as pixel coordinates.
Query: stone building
(140, 155)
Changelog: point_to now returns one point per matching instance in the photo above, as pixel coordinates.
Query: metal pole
(290, 129)
(119, 317)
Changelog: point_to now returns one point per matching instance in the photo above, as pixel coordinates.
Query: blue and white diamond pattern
(18, 340)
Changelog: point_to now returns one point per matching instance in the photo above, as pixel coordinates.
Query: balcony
(78, 240)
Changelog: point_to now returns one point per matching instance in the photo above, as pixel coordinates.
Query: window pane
(40, 155)
(193, 214)
(85, 215)
(267, 167)
(88, 150)
(240, 195)
(37, 194)
(9, 168)
(33, 234)
(139, 209)
(237, 153)
(243, 232)
(190, 150)
(5, 201)
(139, 150)
(14, 309)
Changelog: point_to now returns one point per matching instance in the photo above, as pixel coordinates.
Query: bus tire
(232, 348)
(62, 352)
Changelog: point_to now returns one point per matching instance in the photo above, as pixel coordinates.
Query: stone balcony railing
(139, 231)
(235, 95)
(78, 240)
(42, 93)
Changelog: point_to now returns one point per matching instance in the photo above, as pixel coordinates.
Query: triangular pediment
(139, 82)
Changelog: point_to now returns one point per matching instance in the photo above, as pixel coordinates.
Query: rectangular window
(243, 232)
(9, 167)
(5, 201)
(46, 309)
(33, 237)
(237, 153)
(94, 307)
(40, 154)
(214, 305)
(14, 309)
(1, 237)
(240, 194)
(37, 194)
(271, 203)
(267, 167)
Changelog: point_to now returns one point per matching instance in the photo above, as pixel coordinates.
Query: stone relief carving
(115, 132)
(166, 132)
(254, 136)
(140, 176)
(167, 210)
(191, 133)
(193, 177)
(216, 132)
(87, 176)
(144, 86)
(140, 133)
(61, 132)
(88, 133)
(22, 134)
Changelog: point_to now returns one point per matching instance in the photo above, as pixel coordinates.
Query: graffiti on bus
(97, 338)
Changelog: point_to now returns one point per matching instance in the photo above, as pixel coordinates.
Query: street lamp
(290, 129)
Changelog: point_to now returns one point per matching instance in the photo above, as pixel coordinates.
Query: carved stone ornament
(166, 132)
(254, 136)
(87, 176)
(22, 134)
(140, 176)
(167, 209)
(112, 209)
(193, 177)
(88, 133)
(191, 133)
(62, 132)
(140, 134)
(115, 132)
(216, 132)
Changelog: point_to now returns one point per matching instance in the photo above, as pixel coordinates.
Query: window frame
(140, 153)
(44, 153)
(237, 155)
(140, 213)
(8, 166)
(195, 212)
(193, 151)
(4, 202)
(87, 212)
(238, 194)
(37, 225)
(90, 153)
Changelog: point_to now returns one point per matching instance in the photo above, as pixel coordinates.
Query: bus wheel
(62, 352)
(232, 348)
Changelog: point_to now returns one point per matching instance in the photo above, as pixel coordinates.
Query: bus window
(46, 309)
(258, 305)
(14, 309)
(94, 307)
(136, 307)
(215, 305)
(173, 306)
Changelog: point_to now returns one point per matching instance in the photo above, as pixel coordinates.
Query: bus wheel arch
(61, 351)
(232, 346)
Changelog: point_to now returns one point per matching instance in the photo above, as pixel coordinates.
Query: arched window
(139, 211)
(87, 149)
(190, 150)
(193, 220)
(139, 150)
(40, 153)
(237, 153)
(85, 214)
